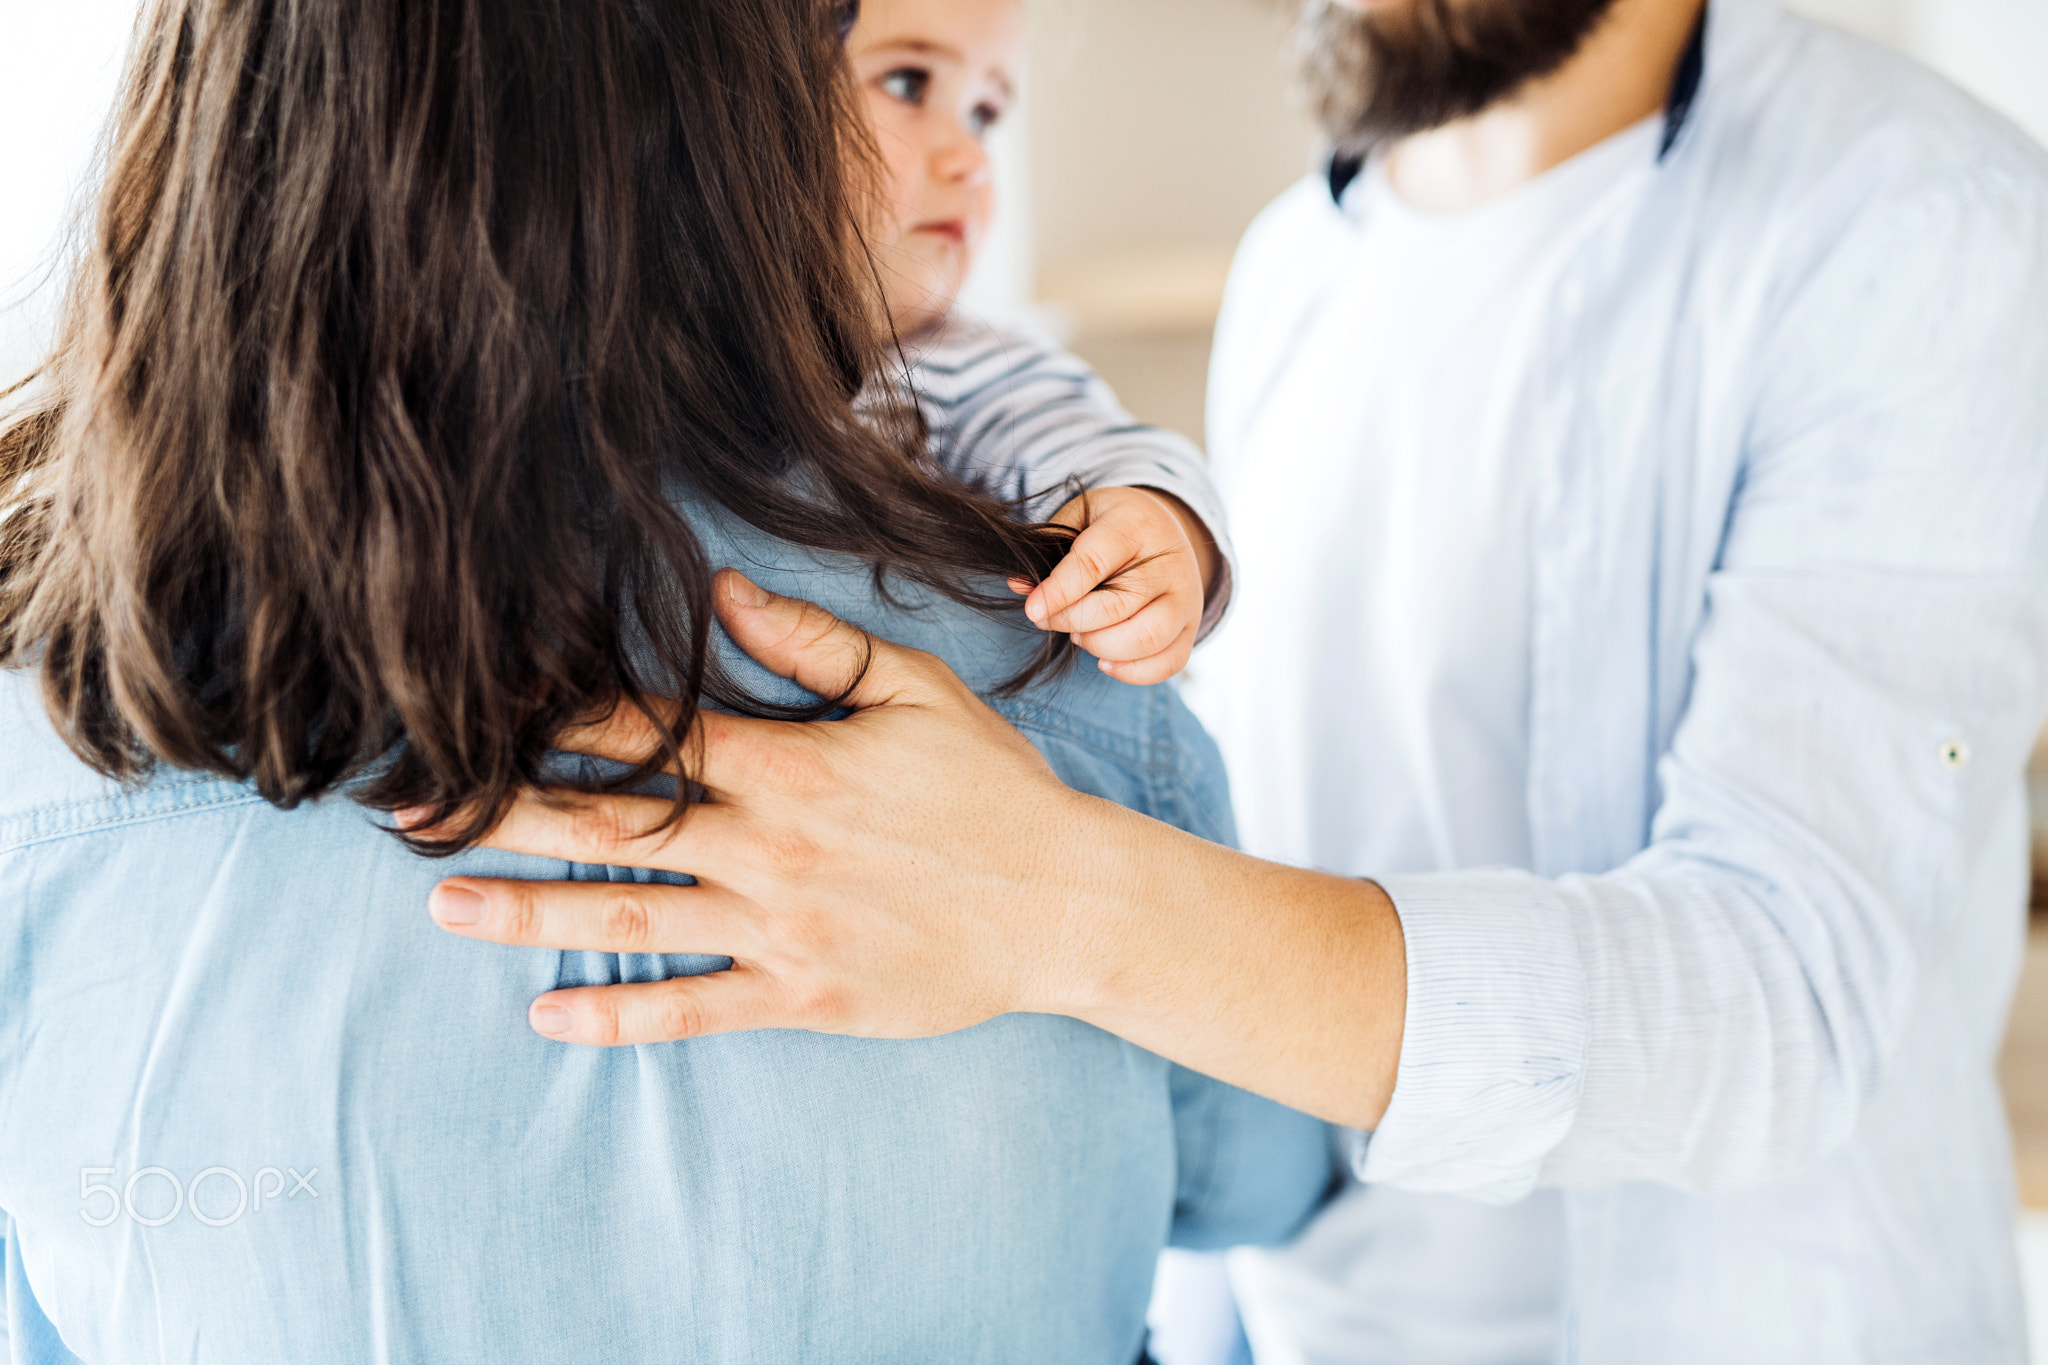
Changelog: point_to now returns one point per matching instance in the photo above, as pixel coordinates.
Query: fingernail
(1106, 666)
(745, 592)
(456, 905)
(1035, 609)
(552, 1020)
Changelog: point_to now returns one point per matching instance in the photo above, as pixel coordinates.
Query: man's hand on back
(878, 876)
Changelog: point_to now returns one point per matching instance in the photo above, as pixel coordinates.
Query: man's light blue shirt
(255, 1107)
(1733, 1026)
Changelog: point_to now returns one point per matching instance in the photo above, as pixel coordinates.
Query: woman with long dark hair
(426, 359)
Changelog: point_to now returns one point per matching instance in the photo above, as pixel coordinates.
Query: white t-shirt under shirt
(1371, 688)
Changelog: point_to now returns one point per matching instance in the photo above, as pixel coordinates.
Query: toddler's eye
(908, 84)
(984, 117)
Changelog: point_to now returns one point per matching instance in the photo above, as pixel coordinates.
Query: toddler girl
(1149, 573)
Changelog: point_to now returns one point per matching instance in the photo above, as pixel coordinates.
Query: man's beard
(1375, 76)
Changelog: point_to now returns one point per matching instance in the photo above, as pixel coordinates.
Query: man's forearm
(919, 868)
(1287, 982)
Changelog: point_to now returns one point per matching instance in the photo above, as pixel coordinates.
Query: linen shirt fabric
(1384, 496)
(1388, 522)
(201, 994)
(1787, 654)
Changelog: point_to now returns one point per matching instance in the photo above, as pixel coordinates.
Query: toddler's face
(936, 75)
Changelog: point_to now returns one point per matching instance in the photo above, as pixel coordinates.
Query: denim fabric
(206, 998)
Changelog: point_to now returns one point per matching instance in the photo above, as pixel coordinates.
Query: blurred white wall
(1998, 48)
(1888, 21)
(1158, 122)
(1158, 128)
(1151, 132)
(58, 66)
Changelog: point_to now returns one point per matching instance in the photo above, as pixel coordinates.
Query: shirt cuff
(1494, 1046)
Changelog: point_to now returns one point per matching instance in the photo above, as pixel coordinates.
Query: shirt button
(1953, 754)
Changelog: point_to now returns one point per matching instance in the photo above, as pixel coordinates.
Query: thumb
(803, 642)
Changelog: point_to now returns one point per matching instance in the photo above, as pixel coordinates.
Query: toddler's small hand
(1132, 588)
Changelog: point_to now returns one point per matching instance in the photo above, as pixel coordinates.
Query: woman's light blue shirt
(255, 1107)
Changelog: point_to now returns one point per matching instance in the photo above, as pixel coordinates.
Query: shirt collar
(1685, 88)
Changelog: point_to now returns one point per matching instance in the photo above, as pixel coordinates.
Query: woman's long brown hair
(401, 326)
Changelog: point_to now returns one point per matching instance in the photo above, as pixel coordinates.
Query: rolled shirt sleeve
(1495, 1043)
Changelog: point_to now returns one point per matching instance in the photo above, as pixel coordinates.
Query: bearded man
(1636, 445)
(1616, 324)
